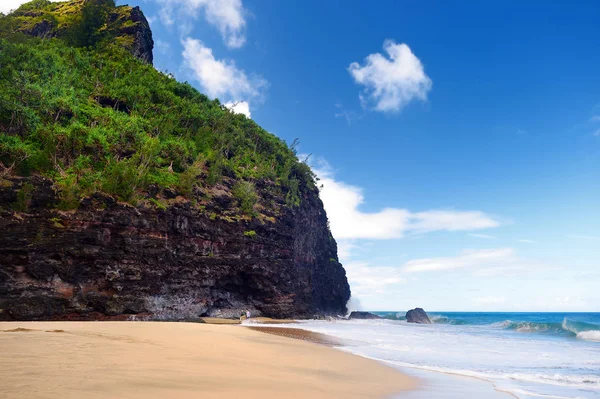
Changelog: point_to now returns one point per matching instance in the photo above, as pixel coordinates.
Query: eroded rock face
(112, 260)
(362, 316)
(417, 315)
(141, 33)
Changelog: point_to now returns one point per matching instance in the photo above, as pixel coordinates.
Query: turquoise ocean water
(526, 355)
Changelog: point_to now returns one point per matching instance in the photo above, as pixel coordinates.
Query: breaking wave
(579, 329)
(568, 328)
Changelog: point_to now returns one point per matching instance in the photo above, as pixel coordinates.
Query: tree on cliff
(90, 27)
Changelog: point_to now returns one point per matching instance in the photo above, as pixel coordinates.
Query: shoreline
(180, 360)
(298, 333)
(436, 381)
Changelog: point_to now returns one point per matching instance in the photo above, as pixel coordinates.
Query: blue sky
(458, 142)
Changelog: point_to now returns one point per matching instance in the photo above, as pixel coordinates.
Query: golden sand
(179, 360)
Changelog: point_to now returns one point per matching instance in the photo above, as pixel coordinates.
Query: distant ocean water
(529, 355)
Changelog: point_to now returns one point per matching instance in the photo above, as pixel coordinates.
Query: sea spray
(352, 305)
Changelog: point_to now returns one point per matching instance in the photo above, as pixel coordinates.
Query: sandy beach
(179, 360)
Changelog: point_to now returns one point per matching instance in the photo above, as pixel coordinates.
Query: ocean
(526, 355)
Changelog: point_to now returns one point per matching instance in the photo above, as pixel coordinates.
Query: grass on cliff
(94, 118)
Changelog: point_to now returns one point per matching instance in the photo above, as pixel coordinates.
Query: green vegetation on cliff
(79, 108)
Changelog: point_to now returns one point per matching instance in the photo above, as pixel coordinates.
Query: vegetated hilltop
(124, 192)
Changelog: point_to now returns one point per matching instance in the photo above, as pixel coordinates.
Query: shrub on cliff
(87, 30)
(244, 191)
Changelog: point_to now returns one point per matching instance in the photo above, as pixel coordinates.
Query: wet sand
(180, 360)
(297, 333)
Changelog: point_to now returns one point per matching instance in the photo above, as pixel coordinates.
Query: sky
(457, 142)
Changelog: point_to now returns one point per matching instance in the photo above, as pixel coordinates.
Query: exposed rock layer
(140, 31)
(112, 260)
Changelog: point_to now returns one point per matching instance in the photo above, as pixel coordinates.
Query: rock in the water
(417, 315)
(363, 316)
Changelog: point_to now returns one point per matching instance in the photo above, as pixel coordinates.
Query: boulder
(418, 316)
(362, 316)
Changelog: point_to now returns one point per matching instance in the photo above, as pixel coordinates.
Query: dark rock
(417, 315)
(109, 260)
(43, 29)
(362, 316)
(142, 35)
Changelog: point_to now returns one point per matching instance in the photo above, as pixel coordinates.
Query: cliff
(125, 25)
(125, 194)
(108, 259)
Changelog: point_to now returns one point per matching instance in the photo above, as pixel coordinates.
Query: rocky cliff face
(255, 238)
(113, 260)
(133, 24)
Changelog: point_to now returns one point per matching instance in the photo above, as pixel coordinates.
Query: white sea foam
(523, 392)
(539, 363)
(593, 335)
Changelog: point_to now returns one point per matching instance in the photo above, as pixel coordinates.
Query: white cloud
(584, 237)
(436, 220)
(484, 236)
(342, 202)
(391, 82)
(239, 107)
(596, 133)
(346, 249)
(468, 258)
(481, 262)
(595, 118)
(7, 6)
(367, 280)
(490, 300)
(228, 16)
(526, 241)
(220, 78)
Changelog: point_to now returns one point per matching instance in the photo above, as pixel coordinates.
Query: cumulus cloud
(228, 16)
(239, 107)
(342, 203)
(391, 82)
(221, 78)
(7, 6)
